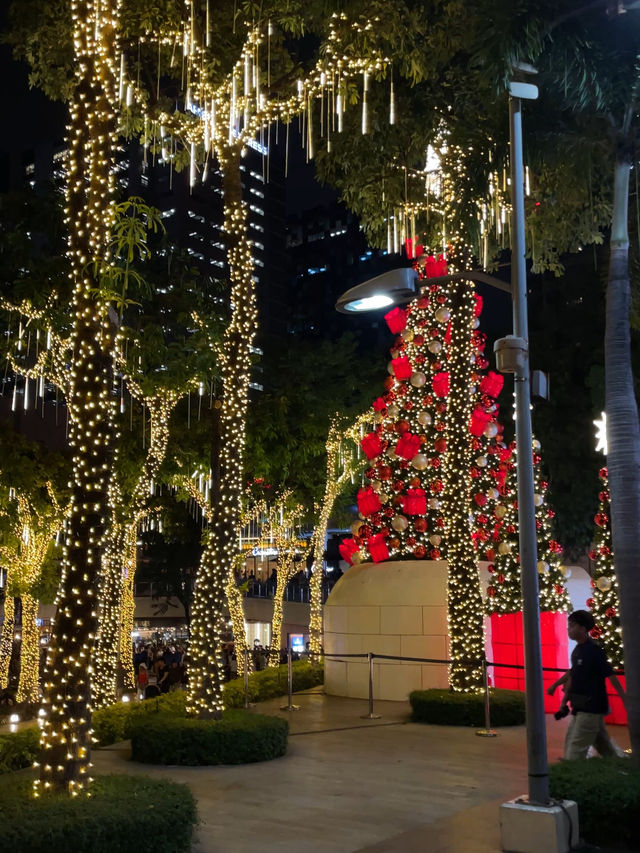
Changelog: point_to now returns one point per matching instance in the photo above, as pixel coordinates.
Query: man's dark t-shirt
(589, 669)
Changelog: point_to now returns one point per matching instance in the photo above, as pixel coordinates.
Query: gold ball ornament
(491, 431)
(376, 485)
(424, 418)
(604, 584)
(433, 503)
(408, 335)
(535, 444)
(434, 347)
(393, 411)
(481, 461)
(501, 510)
(419, 462)
(443, 315)
(543, 567)
(355, 527)
(435, 540)
(504, 548)
(399, 523)
(418, 379)
(566, 571)
(493, 494)
(356, 558)
(384, 498)
(538, 500)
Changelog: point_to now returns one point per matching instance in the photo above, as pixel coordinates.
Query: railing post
(370, 715)
(487, 731)
(290, 706)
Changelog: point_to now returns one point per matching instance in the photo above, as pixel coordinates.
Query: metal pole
(487, 731)
(246, 678)
(370, 715)
(538, 770)
(290, 706)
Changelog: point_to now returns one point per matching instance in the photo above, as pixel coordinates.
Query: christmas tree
(504, 593)
(401, 507)
(604, 600)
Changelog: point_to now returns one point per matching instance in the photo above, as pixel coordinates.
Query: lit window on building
(316, 270)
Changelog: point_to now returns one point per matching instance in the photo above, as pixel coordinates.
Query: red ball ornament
(601, 519)
(440, 427)
(603, 473)
(490, 554)
(434, 553)
(596, 632)
(419, 552)
(441, 408)
(420, 525)
(415, 482)
(603, 496)
(398, 486)
(559, 589)
(370, 474)
(592, 555)
(480, 499)
(397, 500)
(436, 486)
(590, 602)
(388, 512)
(411, 541)
(611, 612)
(440, 445)
(441, 299)
(389, 382)
(394, 542)
(440, 523)
(418, 340)
(384, 472)
(491, 568)
(419, 359)
(428, 400)
(491, 591)
(423, 302)
(434, 462)
(408, 405)
(500, 578)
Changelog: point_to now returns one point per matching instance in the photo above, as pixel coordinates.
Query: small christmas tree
(604, 600)
(504, 593)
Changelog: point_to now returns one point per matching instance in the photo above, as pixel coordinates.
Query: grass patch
(239, 737)
(130, 814)
(607, 791)
(444, 708)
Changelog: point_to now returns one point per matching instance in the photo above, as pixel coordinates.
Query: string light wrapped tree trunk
(204, 697)
(66, 733)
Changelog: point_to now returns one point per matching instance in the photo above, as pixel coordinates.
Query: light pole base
(290, 708)
(371, 717)
(526, 828)
(486, 733)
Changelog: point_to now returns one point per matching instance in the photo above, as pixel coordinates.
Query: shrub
(113, 723)
(130, 814)
(238, 738)
(19, 749)
(444, 708)
(272, 682)
(607, 792)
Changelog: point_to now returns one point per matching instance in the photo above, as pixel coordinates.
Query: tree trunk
(128, 604)
(206, 676)
(623, 439)
(105, 655)
(464, 602)
(29, 651)
(6, 639)
(285, 571)
(66, 738)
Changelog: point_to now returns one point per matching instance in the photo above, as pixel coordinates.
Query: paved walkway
(349, 785)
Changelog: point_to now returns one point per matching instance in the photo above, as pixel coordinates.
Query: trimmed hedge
(607, 791)
(130, 814)
(19, 749)
(444, 708)
(238, 738)
(113, 723)
(272, 682)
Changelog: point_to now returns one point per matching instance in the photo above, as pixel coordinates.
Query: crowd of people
(159, 669)
(163, 669)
